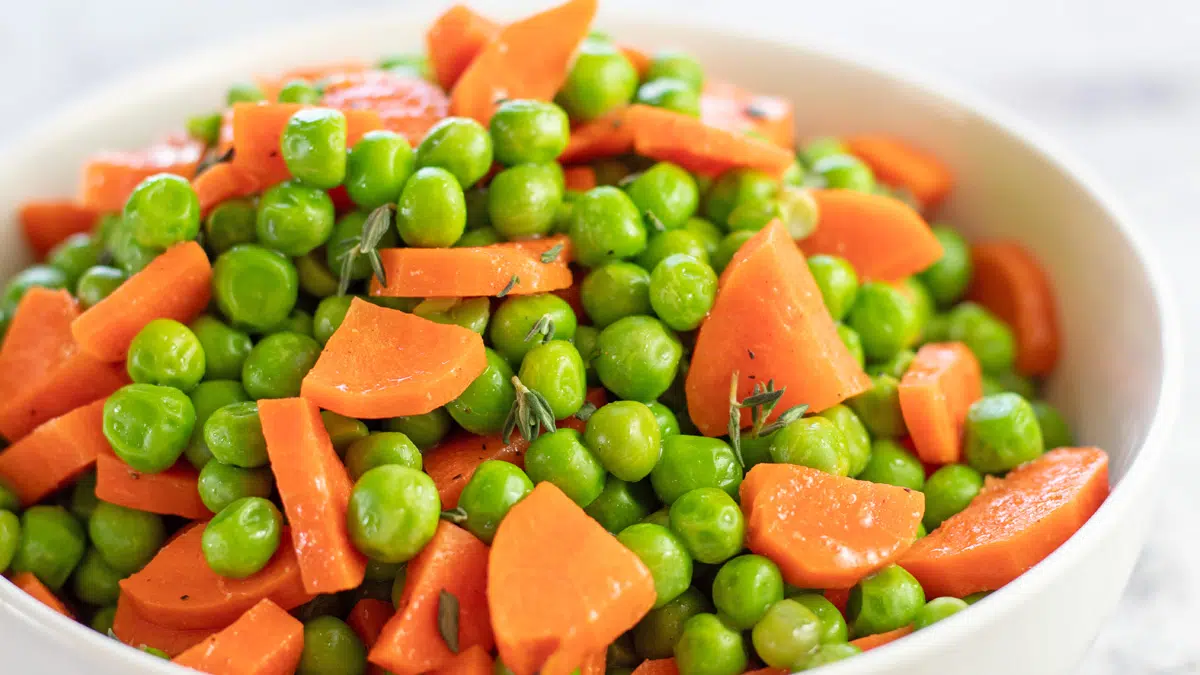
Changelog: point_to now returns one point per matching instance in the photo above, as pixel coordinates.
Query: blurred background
(1116, 82)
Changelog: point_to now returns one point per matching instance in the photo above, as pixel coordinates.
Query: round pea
(484, 236)
(97, 283)
(676, 65)
(342, 430)
(710, 524)
(670, 94)
(622, 504)
(949, 490)
(10, 538)
(1002, 432)
(989, 338)
(125, 538)
(879, 408)
(638, 358)
(891, 464)
(745, 588)
(895, 366)
(976, 597)
(814, 442)
(885, 319)
(244, 92)
(858, 440)
(556, 371)
(654, 637)
(663, 245)
(379, 449)
(224, 349)
(853, 343)
(162, 210)
(615, 290)
(331, 648)
(997, 383)
(299, 91)
(736, 187)
(708, 234)
(94, 581)
(707, 646)
(204, 127)
(845, 172)
(166, 352)
(682, 291)
(102, 620)
(947, 279)
(624, 436)
(605, 225)
(313, 145)
(315, 277)
(424, 430)
(516, 317)
(494, 488)
(255, 287)
(668, 424)
(884, 601)
(377, 167)
(528, 131)
(601, 79)
(52, 543)
(837, 281)
(787, 635)
(523, 200)
(393, 512)
(729, 248)
(431, 212)
(223, 484)
(294, 218)
(832, 653)
(666, 192)
(346, 234)
(234, 435)
(39, 276)
(1056, 433)
(485, 403)
(936, 610)
(278, 363)
(329, 316)
(74, 255)
(459, 145)
(561, 458)
(230, 223)
(833, 625)
(148, 426)
(691, 462)
(470, 313)
(664, 555)
(207, 398)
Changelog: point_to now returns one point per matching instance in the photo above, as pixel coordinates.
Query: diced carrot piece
(45, 375)
(884, 238)
(257, 128)
(880, 639)
(840, 597)
(544, 245)
(454, 40)
(827, 531)
(529, 58)
(178, 589)
(769, 323)
(367, 619)
(56, 453)
(221, 182)
(271, 85)
(580, 178)
(315, 490)
(594, 663)
(386, 363)
(657, 667)
(225, 135)
(135, 631)
(172, 492)
(896, 162)
(175, 285)
(109, 177)
(937, 389)
(1013, 524)
(265, 641)
(559, 586)
(1010, 282)
(453, 562)
(46, 222)
(27, 582)
(727, 106)
(473, 661)
(468, 272)
(573, 294)
(605, 136)
(637, 57)
(405, 104)
(698, 147)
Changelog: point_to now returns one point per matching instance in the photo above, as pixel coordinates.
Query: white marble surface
(1118, 81)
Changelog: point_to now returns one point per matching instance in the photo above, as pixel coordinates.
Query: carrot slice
(271, 85)
(265, 641)
(769, 322)
(315, 490)
(1013, 524)
(840, 597)
(1010, 282)
(880, 639)
(605, 136)
(657, 667)
(884, 238)
(46, 222)
(727, 106)
(937, 389)
(386, 363)
(896, 162)
(175, 285)
(257, 128)
(221, 182)
(468, 272)
(109, 177)
(27, 582)
(172, 492)
(544, 245)
(132, 629)
(699, 147)
(178, 589)
(405, 104)
(594, 663)
(367, 619)
(473, 661)
(560, 587)
(827, 531)
(580, 178)
(56, 453)
(45, 374)
(528, 58)
(454, 40)
(637, 57)
(453, 562)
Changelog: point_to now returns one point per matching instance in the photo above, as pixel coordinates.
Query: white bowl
(1117, 383)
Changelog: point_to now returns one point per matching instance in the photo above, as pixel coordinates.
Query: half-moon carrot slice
(454, 40)
(367, 619)
(727, 106)
(172, 492)
(46, 222)
(469, 272)
(897, 162)
(27, 582)
(473, 661)
(109, 177)
(939, 386)
(221, 182)
(264, 641)
(870, 642)
(1010, 282)
(386, 363)
(605, 136)
(657, 667)
(699, 147)
(405, 104)
(135, 631)
(55, 453)
(580, 178)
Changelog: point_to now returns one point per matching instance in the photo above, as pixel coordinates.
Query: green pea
(832, 653)
(313, 146)
(241, 539)
(299, 321)
(745, 588)
(947, 279)
(102, 620)
(83, 497)
(664, 555)
(845, 172)
(163, 210)
(622, 504)
(277, 365)
(665, 192)
(677, 65)
(207, 398)
(299, 91)
(148, 426)
(255, 287)
(484, 236)
(949, 490)
(710, 524)
(936, 610)
(819, 148)
(814, 442)
(346, 234)
(329, 316)
(615, 290)
(424, 430)
(624, 436)
(691, 462)
(244, 92)
(393, 512)
(523, 200)
(342, 430)
(837, 281)
(561, 458)
(377, 167)
(94, 582)
(833, 625)
(896, 366)
(922, 301)
(477, 215)
(431, 212)
(97, 283)
(331, 648)
(787, 635)
(655, 636)
(854, 432)
(223, 484)
(1056, 433)
(795, 174)
(601, 79)
(605, 225)
(556, 371)
(166, 352)
(43, 276)
(638, 358)
(585, 341)
(989, 338)
(485, 403)
(884, 601)
(125, 538)
(707, 646)
(10, 538)
(398, 587)
(891, 464)
(853, 343)
(315, 277)
(663, 245)
(459, 145)
(670, 94)
(879, 408)
(294, 218)
(729, 247)
(528, 131)
(754, 215)
(73, 256)
(379, 449)
(52, 543)
(470, 313)
(494, 488)
(736, 187)
(998, 383)
(204, 127)
(885, 319)
(976, 597)
(409, 65)
(1002, 432)
(516, 317)
(621, 656)
(9, 501)
(120, 242)
(668, 424)
(230, 223)
(234, 435)
(682, 291)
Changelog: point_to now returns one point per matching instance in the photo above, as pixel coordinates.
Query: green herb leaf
(785, 418)
(762, 398)
(455, 515)
(552, 253)
(543, 327)
(529, 414)
(375, 226)
(447, 619)
(654, 221)
(212, 159)
(512, 283)
(735, 420)
(347, 270)
(585, 411)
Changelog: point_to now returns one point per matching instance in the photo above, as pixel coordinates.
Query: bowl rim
(204, 63)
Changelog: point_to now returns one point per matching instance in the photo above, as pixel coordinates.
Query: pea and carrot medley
(532, 354)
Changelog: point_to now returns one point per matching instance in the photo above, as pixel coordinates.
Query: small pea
(432, 211)
(347, 232)
(97, 283)
(207, 398)
(1056, 433)
(682, 291)
(294, 218)
(787, 635)
(329, 316)
(528, 131)
(879, 407)
(166, 352)
(523, 200)
(148, 426)
(162, 210)
(837, 281)
(677, 65)
(204, 127)
(615, 290)
(424, 430)
(710, 524)
(736, 187)
(125, 538)
(845, 172)
(470, 313)
(833, 624)
(230, 223)
(638, 358)
(234, 435)
(555, 370)
(691, 462)
(244, 92)
(729, 248)
(654, 637)
(377, 167)
(949, 490)
(74, 255)
(461, 146)
(393, 512)
(223, 484)
(561, 458)
(947, 279)
(624, 436)
(342, 430)
(814, 442)
(664, 555)
(708, 646)
(10, 538)
(493, 489)
(255, 287)
(241, 539)
(885, 319)
(670, 94)
(890, 463)
(886, 600)
(278, 363)
(989, 338)
(605, 225)
(622, 504)
(331, 648)
(517, 315)
(313, 146)
(1002, 432)
(379, 449)
(600, 79)
(94, 582)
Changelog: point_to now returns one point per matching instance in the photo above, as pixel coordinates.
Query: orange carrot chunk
(699, 147)
(453, 41)
(55, 454)
(109, 177)
(898, 163)
(1013, 524)
(468, 272)
(172, 492)
(657, 667)
(315, 490)
(884, 238)
(935, 393)
(178, 589)
(580, 178)
(473, 661)
(386, 363)
(727, 106)
(594, 663)
(560, 587)
(271, 85)
(769, 322)
(46, 222)
(827, 531)
(405, 104)
(257, 128)
(605, 136)
(27, 582)
(638, 58)
(43, 373)
(367, 619)
(1010, 282)
(454, 562)
(221, 182)
(135, 631)
(265, 641)
(880, 639)
(528, 58)
(175, 285)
